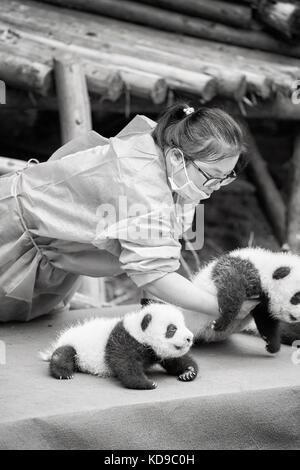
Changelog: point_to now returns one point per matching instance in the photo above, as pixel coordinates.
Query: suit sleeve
(145, 216)
(151, 250)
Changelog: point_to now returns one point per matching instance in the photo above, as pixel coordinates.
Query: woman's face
(199, 171)
(219, 170)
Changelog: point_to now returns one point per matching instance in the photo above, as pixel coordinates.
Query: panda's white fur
(279, 291)
(154, 335)
(266, 262)
(89, 338)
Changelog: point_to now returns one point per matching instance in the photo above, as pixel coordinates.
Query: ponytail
(207, 134)
(167, 122)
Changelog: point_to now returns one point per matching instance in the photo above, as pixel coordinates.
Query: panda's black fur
(128, 359)
(246, 285)
(126, 347)
(272, 279)
(289, 333)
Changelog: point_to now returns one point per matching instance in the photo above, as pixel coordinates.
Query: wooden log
(198, 54)
(21, 72)
(201, 59)
(198, 83)
(230, 84)
(259, 84)
(28, 65)
(181, 24)
(282, 16)
(103, 80)
(145, 85)
(73, 99)
(293, 211)
(227, 13)
(268, 193)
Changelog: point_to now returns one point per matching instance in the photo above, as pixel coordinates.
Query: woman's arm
(178, 290)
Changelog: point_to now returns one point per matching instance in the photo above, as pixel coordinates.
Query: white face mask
(182, 184)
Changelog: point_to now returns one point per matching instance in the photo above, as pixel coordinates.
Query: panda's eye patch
(295, 300)
(281, 272)
(171, 330)
(146, 320)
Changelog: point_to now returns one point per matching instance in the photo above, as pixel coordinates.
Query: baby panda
(126, 347)
(272, 279)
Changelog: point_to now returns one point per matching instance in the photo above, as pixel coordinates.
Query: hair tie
(188, 110)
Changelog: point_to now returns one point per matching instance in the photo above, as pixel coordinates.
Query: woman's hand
(247, 306)
(178, 290)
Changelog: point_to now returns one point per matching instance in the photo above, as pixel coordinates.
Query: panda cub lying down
(126, 347)
(273, 279)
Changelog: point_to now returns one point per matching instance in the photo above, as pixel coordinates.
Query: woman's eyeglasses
(212, 182)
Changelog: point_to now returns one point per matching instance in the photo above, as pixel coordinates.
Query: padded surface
(243, 398)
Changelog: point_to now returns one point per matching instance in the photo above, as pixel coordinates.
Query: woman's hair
(207, 134)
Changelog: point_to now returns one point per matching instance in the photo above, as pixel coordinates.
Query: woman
(113, 207)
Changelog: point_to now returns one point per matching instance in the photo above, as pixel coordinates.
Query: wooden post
(293, 213)
(267, 191)
(73, 99)
(75, 119)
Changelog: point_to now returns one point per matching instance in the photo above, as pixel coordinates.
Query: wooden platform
(243, 399)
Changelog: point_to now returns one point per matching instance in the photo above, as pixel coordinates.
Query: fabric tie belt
(14, 192)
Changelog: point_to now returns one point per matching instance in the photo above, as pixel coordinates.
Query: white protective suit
(53, 226)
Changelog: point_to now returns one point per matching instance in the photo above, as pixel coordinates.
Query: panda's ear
(146, 320)
(281, 272)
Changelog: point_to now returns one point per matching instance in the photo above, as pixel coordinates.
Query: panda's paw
(65, 377)
(272, 348)
(188, 375)
(219, 325)
(149, 385)
(141, 385)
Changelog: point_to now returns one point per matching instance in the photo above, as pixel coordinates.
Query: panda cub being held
(126, 347)
(271, 278)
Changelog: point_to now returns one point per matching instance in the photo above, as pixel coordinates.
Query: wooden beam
(99, 65)
(102, 80)
(282, 16)
(135, 12)
(145, 85)
(24, 73)
(227, 13)
(268, 193)
(120, 43)
(293, 213)
(73, 99)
